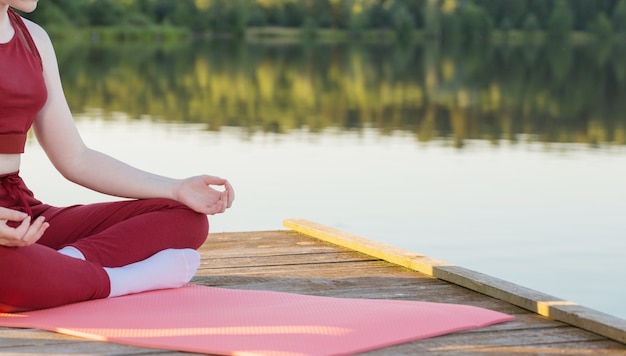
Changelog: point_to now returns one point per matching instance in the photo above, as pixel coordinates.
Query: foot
(170, 268)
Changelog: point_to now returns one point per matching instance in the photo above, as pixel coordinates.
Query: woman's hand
(24, 233)
(199, 194)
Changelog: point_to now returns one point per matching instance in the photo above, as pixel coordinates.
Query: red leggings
(108, 234)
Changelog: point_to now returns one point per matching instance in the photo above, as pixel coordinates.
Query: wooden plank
(404, 258)
(383, 288)
(38, 342)
(264, 243)
(325, 270)
(527, 345)
(288, 261)
(541, 303)
(570, 348)
(567, 348)
(28, 337)
(538, 302)
(281, 260)
(86, 348)
(546, 341)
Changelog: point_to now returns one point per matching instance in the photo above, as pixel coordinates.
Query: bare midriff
(9, 163)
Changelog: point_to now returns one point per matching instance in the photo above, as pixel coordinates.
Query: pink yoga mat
(235, 322)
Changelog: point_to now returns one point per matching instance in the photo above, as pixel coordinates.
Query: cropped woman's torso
(22, 92)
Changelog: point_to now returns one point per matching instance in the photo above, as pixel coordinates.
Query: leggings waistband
(17, 190)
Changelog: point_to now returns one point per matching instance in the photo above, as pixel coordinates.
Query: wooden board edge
(405, 258)
(543, 304)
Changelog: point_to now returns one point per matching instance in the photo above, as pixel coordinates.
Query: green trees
(531, 23)
(228, 16)
(619, 16)
(462, 19)
(561, 20)
(601, 26)
(477, 24)
(403, 23)
(357, 16)
(466, 21)
(432, 18)
(104, 13)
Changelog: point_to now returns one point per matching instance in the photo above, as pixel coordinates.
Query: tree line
(457, 19)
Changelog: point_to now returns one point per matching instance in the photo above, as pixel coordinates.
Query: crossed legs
(115, 249)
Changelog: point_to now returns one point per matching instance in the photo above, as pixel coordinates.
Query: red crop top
(22, 88)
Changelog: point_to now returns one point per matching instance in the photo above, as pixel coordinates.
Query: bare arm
(59, 137)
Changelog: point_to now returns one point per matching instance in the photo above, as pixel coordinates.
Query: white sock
(170, 268)
(72, 252)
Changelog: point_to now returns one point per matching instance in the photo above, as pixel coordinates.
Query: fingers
(214, 196)
(222, 206)
(23, 235)
(216, 208)
(224, 202)
(231, 195)
(227, 196)
(12, 215)
(35, 231)
(212, 180)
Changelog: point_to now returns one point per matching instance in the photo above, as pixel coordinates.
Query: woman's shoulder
(39, 35)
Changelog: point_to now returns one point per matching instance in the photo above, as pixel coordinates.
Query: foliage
(309, 28)
(477, 25)
(403, 23)
(531, 24)
(466, 91)
(619, 16)
(601, 26)
(104, 12)
(561, 20)
(468, 19)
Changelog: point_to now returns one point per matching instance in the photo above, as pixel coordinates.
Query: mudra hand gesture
(200, 194)
(21, 232)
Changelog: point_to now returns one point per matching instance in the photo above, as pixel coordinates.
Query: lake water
(499, 160)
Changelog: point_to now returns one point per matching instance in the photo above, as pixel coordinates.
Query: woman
(51, 256)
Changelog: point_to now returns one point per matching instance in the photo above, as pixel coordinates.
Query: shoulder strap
(23, 35)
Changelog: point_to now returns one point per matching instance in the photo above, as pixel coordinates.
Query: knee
(197, 228)
(202, 229)
(191, 227)
(8, 268)
(13, 265)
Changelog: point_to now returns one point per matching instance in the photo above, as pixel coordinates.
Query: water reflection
(549, 93)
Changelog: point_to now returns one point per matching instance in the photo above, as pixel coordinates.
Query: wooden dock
(317, 260)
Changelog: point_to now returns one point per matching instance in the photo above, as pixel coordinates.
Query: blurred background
(486, 133)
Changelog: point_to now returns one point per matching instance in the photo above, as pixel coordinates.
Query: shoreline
(290, 35)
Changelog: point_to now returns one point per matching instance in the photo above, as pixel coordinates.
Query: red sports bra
(22, 88)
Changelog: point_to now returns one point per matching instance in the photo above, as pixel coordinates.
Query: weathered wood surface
(288, 261)
(535, 301)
